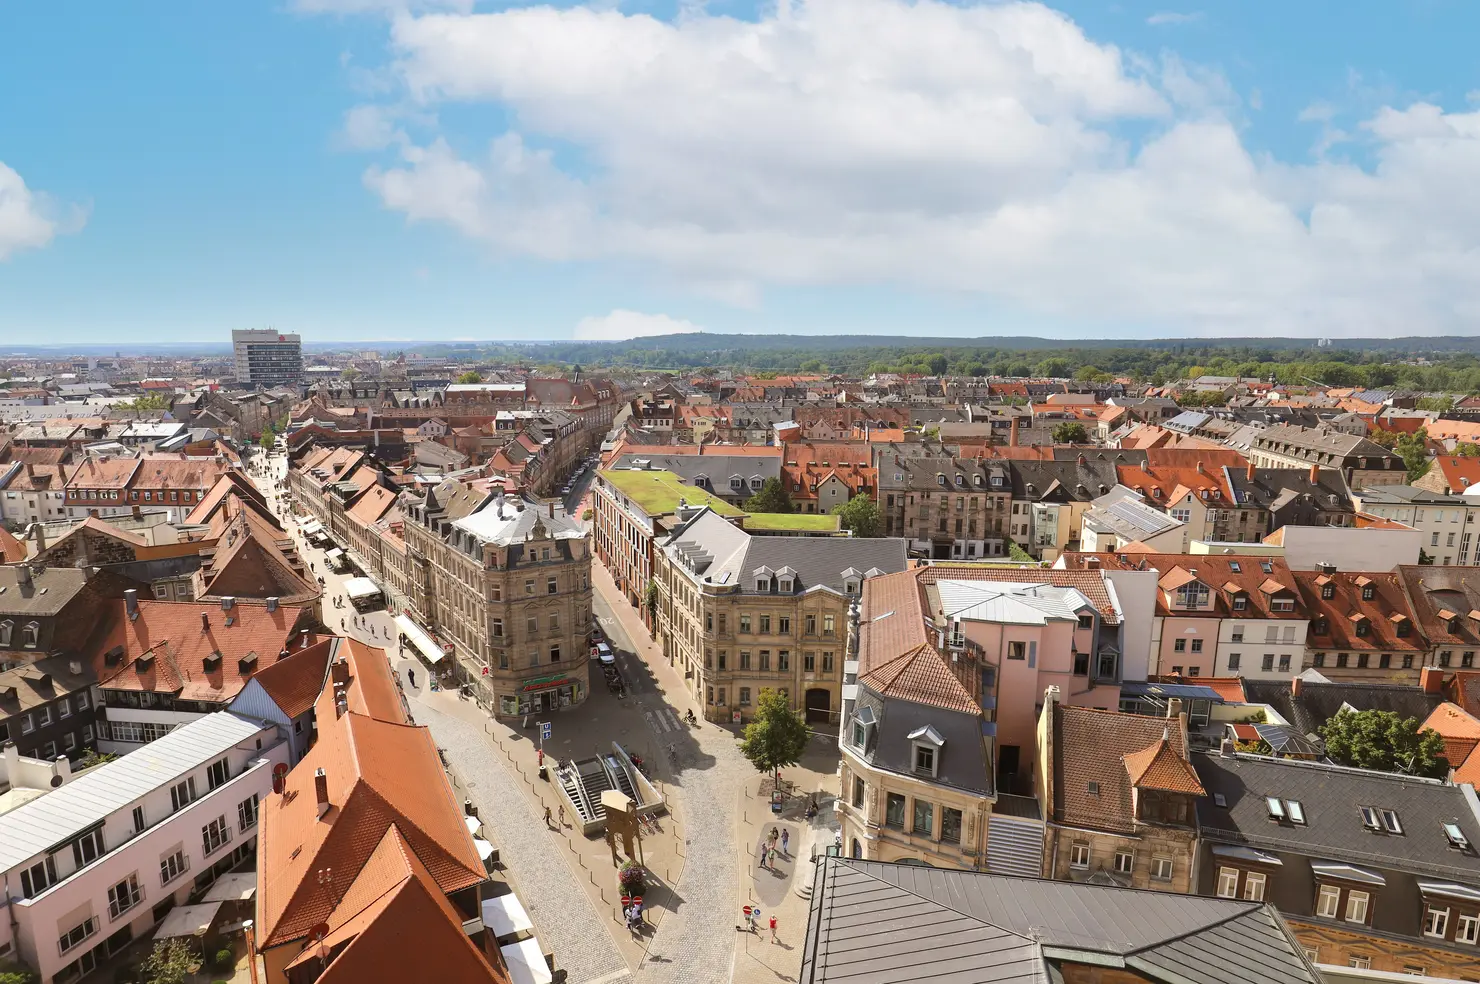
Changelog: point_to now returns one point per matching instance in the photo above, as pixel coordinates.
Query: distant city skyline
(376, 170)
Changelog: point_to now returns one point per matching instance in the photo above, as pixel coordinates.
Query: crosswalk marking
(662, 720)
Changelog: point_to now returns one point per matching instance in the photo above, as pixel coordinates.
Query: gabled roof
(1159, 766)
(394, 923)
(874, 921)
(294, 683)
(379, 774)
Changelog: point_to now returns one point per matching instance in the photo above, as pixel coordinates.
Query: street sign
(545, 731)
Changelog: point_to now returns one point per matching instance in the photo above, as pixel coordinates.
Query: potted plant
(632, 877)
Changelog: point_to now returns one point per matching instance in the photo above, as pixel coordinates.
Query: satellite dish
(319, 932)
(56, 781)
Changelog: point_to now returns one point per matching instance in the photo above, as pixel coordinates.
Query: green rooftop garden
(657, 492)
(792, 522)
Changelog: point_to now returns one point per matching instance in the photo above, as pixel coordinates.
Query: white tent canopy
(361, 587)
(424, 643)
(506, 916)
(526, 962)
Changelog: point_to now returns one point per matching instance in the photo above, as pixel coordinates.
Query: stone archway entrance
(819, 705)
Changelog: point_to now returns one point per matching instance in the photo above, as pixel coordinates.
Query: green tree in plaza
(772, 498)
(348, 374)
(149, 401)
(1070, 432)
(860, 515)
(170, 962)
(268, 435)
(1381, 740)
(469, 378)
(776, 737)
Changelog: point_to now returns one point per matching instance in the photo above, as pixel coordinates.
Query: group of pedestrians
(777, 842)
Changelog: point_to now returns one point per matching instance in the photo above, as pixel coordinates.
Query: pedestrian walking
(772, 839)
(771, 859)
(764, 852)
(411, 678)
(547, 818)
(773, 927)
(785, 843)
(561, 815)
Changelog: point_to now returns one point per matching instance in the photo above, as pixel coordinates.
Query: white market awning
(424, 643)
(188, 920)
(333, 553)
(526, 962)
(311, 527)
(236, 887)
(484, 849)
(472, 823)
(361, 587)
(506, 916)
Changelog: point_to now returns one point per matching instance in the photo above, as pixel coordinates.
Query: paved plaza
(704, 860)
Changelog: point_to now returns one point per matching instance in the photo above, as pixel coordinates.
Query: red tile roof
(165, 649)
(1094, 753)
(294, 683)
(1158, 766)
(1333, 622)
(379, 774)
(921, 676)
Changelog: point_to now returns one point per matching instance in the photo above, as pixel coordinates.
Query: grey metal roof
(877, 923)
(1183, 691)
(1331, 798)
(1319, 702)
(67, 811)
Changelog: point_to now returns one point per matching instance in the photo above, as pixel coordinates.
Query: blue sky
(357, 169)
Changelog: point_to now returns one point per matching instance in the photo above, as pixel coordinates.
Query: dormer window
(31, 634)
(6, 628)
(996, 481)
(863, 723)
(1367, 592)
(940, 479)
(1328, 591)
(927, 744)
(850, 586)
(762, 584)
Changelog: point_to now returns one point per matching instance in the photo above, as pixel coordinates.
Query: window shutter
(1032, 654)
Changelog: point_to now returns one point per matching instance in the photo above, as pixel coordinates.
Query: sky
(448, 169)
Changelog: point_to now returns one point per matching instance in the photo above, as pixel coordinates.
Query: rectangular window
(64, 709)
(809, 662)
(783, 659)
(894, 811)
(744, 696)
(1017, 650)
(745, 623)
(1254, 886)
(827, 625)
(858, 792)
(924, 819)
(552, 585)
(1467, 929)
(765, 625)
(950, 826)
(89, 847)
(1327, 901)
(173, 866)
(1161, 869)
(123, 896)
(811, 624)
(138, 819)
(1435, 922)
(1228, 883)
(1079, 855)
(38, 878)
(1197, 645)
(246, 813)
(1233, 661)
(218, 773)
(77, 934)
(827, 662)
(1125, 862)
(783, 625)
(1356, 906)
(925, 759)
(765, 660)
(215, 835)
(1179, 645)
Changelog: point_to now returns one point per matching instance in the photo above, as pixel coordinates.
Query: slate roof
(1331, 798)
(1320, 702)
(42, 682)
(876, 923)
(48, 593)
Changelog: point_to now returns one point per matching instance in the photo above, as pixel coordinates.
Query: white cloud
(378, 6)
(964, 148)
(28, 220)
(621, 325)
(1167, 17)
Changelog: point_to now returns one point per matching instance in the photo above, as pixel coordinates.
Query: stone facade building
(508, 583)
(742, 613)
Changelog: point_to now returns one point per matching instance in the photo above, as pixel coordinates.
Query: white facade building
(96, 863)
(266, 357)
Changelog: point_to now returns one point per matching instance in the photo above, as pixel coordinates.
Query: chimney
(137, 512)
(552, 508)
(1174, 707)
(61, 769)
(40, 537)
(1092, 563)
(339, 672)
(74, 667)
(1012, 434)
(321, 791)
(1200, 469)
(1249, 472)
(1431, 679)
(1295, 684)
(92, 514)
(1315, 474)
(272, 603)
(1081, 460)
(228, 603)
(1226, 748)
(23, 575)
(30, 470)
(12, 757)
(205, 621)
